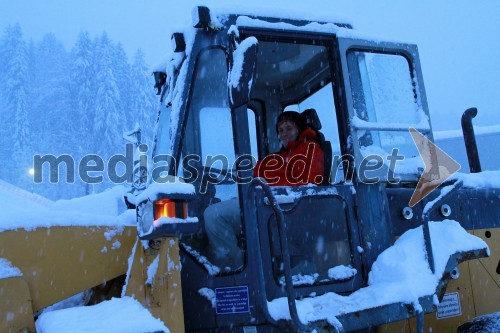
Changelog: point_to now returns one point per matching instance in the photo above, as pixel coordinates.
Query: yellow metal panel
(136, 279)
(484, 276)
(462, 286)
(163, 296)
(16, 314)
(59, 262)
(478, 287)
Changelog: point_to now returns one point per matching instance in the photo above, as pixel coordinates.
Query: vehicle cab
(222, 91)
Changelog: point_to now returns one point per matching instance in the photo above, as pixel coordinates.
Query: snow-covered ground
(119, 315)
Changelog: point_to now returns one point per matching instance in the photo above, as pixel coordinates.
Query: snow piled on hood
(119, 315)
(484, 179)
(21, 209)
(400, 274)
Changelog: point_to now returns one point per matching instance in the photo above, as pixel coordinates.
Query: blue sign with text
(232, 300)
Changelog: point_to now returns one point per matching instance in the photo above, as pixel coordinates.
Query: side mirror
(160, 79)
(242, 68)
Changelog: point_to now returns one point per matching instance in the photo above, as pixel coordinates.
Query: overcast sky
(458, 40)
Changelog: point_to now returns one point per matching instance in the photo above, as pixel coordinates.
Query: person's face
(287, 131)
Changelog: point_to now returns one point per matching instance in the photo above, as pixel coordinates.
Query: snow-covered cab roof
(223, 17)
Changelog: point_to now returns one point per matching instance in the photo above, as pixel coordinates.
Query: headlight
(145, 217)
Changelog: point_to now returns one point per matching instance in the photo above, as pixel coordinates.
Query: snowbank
(11, 195)
(105, 203)
(7, 270)
(21, 209)
(120, 315)
(400, 274)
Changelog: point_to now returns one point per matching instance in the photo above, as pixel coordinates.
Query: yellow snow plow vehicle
(372, 248)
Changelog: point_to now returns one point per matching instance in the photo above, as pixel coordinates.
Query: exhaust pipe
(470, 140)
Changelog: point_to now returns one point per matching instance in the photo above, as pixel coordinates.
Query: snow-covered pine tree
(144, 102)
(83, 91)
(54, 120)
(82, 83)
(107, 128)
(53, 117)
(15, 77)
(4, 134)
(53, 103)
(83, 86)
(121, 69)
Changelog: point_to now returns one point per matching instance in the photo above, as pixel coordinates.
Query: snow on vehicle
(228, 80)
(350, 254)
(50, 251)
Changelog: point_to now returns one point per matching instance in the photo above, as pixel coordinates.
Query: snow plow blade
(15, 306)
(56, 263)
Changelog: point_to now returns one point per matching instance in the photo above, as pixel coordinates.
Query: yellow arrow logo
(439, 166)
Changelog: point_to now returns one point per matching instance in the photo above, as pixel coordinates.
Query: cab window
(386, 104)
(208, 151)
(323, 102)
(295, 76)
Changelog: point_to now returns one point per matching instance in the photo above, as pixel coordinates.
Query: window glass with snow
(386, 105)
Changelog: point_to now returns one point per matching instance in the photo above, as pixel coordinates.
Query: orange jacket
(298, 164)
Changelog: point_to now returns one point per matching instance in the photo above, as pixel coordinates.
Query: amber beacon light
(170, 208)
